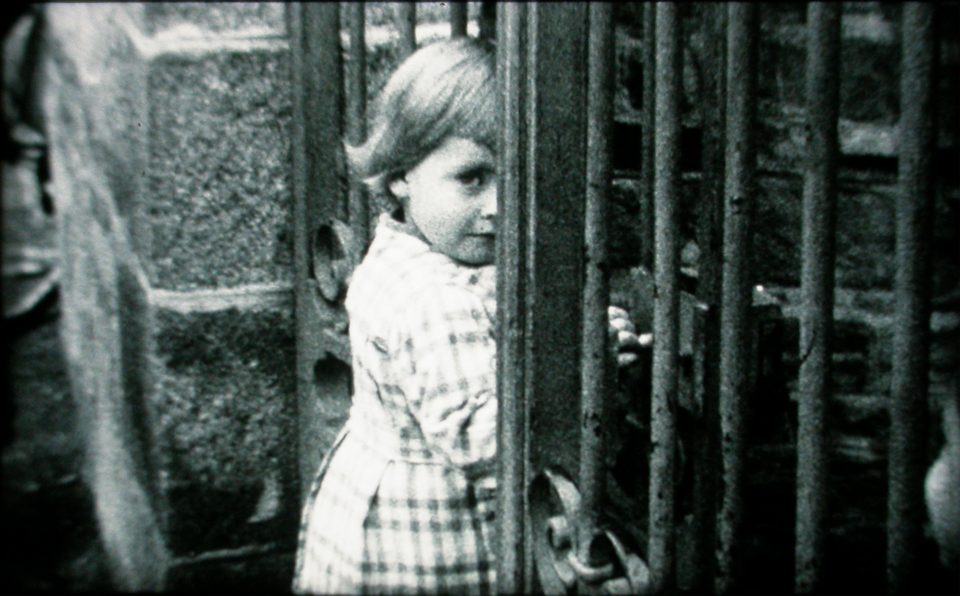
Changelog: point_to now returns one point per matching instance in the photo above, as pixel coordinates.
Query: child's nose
(488, 206)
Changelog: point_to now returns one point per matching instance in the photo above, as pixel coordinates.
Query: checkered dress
(404, 501)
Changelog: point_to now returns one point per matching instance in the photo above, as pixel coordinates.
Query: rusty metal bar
(316, 70)
(514, 567)
(541, 58)
(909, 380)
(596, 285)
(556, 177)
(817, 285)
(488, 19)
(646, 138)
(356, 120)
(669, 64)
(706, 442)
(739, 183)
(458, 19)
(405, 16)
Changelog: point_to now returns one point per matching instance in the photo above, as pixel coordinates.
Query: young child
(404, 501)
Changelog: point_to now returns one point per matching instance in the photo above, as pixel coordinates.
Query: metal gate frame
(555, 64)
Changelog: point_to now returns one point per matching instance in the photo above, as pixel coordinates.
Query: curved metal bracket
(334, 256)
(632, 574)
(554, 506)
(554, 502)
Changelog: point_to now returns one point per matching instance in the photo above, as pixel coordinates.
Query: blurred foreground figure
(30, 264)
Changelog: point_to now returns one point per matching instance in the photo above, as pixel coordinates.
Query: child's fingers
(626, 339)
(629, 346)
(620, 319)
(624, 333)
(618, 315)
(621, 324)
(616, 311)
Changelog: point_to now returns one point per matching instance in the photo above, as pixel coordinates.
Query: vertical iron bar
(488, 19)
(740, 163)
(710, 239)
(666, 298)
(556, 177)
(406, 22)
(513, 566)
(647, 134)
(542, 61)
(458, 19)
(315, 55)
(356, 98)
(817, 286)
(596, 287)
(908, 399)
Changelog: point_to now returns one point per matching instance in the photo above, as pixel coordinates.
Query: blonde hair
(445, 89)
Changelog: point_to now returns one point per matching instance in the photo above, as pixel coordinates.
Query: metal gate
(555, 72)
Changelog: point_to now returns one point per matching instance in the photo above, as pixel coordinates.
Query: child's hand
(627, 341)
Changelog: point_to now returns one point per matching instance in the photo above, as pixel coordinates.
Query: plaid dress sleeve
(449, 355)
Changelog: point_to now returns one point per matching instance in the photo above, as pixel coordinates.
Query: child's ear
(398, 187)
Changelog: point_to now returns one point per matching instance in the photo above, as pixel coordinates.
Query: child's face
(451, 196)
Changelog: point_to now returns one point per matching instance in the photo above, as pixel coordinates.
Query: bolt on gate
(560, 529)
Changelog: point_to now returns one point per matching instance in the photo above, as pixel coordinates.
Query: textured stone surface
(945, 244)
(382, 59)
(382, 55)
(863, 337)
(777, 231)
(865, 235)
(222, 404)
(382, 14)
(866, 69)
(218, 201)
(624, 224)
(262, 18)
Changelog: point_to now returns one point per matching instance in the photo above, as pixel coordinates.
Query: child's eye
(474, 178)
